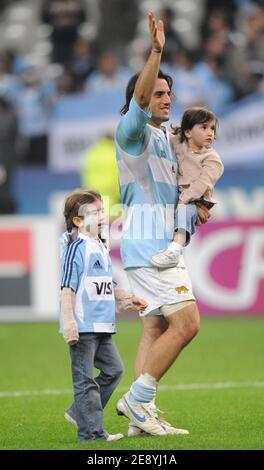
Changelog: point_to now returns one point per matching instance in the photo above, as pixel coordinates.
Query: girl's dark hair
(73, 204)
(192, 116)
(132, 84)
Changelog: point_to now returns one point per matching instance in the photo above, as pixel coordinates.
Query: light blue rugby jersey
(147, 177)
(87, 269)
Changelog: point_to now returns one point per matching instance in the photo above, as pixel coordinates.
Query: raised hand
(157, 33)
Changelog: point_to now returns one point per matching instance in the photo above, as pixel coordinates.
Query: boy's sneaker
(141, 414)
(110, 437)
(70, 418)
(166, 259)
(114, 437)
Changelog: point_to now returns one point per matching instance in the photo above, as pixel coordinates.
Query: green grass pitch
(227, 351)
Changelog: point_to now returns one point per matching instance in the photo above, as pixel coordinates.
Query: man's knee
(191, 330)
(185, 323)
(193, 327)
(188, 333)
(193, 320)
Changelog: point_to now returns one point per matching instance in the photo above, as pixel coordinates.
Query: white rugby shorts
(160, 286)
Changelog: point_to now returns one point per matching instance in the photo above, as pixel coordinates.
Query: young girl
(88, 314)
(199, 167)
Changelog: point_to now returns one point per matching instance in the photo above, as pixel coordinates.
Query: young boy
(88, 315)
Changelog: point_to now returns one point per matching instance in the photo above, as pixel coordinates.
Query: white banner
(239, 137)
(68, 141)
(241, 131)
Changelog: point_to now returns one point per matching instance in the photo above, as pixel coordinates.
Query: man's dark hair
(131, 88)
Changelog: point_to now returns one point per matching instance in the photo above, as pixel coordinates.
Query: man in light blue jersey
(147, 174)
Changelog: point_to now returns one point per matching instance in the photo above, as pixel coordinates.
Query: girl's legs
(185, 220)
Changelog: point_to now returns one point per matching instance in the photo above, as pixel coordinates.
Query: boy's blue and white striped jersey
(86, 268)
(147, 176)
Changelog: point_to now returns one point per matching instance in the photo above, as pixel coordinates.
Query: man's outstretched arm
(147, 79)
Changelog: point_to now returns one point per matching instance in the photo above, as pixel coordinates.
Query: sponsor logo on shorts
(181, 290)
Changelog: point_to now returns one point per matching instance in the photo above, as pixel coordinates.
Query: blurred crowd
(224, 65)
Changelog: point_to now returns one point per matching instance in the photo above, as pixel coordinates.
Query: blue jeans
(185, 219)
(92, 394)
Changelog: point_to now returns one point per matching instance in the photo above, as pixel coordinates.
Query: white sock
(175, 247)
(142, 390)
(148, 379)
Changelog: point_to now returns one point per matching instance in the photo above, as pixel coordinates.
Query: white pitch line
(209, 386)
(162, 388)
(31, 393)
